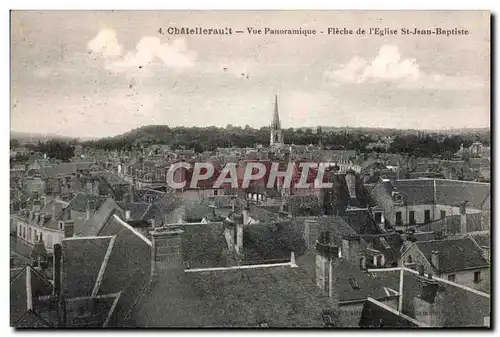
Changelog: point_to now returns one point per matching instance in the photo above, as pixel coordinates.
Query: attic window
(384, 243)
(354, 283)
(187, 265)
(328, 319)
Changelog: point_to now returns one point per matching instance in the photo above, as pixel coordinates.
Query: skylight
(354, 283)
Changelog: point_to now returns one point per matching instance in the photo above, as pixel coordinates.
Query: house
(457, 260)
(431, 301)
(411, 202)
(44, 221)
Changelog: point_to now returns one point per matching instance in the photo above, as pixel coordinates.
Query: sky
(102, 73)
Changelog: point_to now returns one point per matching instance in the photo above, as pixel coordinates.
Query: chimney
(245, 212)
(463, 218)
(350, 179)
(54, 210)
(435, 259)
(310, 232)
(69, 228)
(212, 210)
(127, 215)
(350, 249)
(166, 253)
(57, 269)
(239, 235)
(88, 210)
(327, 261)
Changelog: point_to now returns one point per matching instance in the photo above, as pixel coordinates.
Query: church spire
(276, 133)
(276, 116)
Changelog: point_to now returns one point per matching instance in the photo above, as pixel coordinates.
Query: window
(354, 283)
(327, 318)
(399, 219)
(216, 192)
(412, 217)
(30, 234)
(443, 214)
(451, 277)
(477, 276)
(41, 236)
(427, 215)
(410, 259)
(378, 217)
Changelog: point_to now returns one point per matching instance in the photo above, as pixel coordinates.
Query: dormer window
(354, 283)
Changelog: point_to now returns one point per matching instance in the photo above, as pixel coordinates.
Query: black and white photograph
(250, 169)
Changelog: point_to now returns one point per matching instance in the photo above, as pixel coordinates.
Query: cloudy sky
(101, 73)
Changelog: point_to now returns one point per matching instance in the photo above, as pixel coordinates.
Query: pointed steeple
(276, 116)
(276, 133)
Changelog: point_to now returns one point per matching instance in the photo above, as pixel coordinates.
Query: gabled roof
(376, 315)
(129, 266)
(272, 242)
(91, 312)
(82, 262)
(204, 246)
(137, 209)
(79, 202)
(454, 254)
(368, 286)
(26, 287)
(279, 296)
(482, 239)
(98, 219)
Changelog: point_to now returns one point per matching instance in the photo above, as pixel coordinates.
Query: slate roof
(369, 286)
(454, 254)
(137, 209)
(272, 242)
(129, 266)
(482, 239)
(26, 287)
(374, 315)
(79, 202)
(204, 246)
(416, 191)
(98, 219)
(91, 312)
(278, 296)
(453, 303)
(82, 259)
(392, 251)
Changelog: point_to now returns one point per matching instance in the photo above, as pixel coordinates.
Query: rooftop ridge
(123, 223)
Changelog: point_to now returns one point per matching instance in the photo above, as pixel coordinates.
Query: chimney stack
(435, 259)
(245, 212)
(463, 218)
(350, 179)
(310, 232)
(327, 260)
(53, 210)
(351, 249)
(69, 228)
(57, 269)
(166, 253)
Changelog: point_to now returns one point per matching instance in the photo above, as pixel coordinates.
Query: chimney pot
(435, 259)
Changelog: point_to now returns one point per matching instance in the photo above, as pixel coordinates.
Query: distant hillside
(31, 137)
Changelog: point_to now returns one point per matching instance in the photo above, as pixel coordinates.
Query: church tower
(276, 133)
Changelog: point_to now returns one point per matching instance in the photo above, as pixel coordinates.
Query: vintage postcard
(250, 169)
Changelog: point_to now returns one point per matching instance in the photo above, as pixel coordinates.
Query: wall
(350, 314)
(466, 278)
(50, 237)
